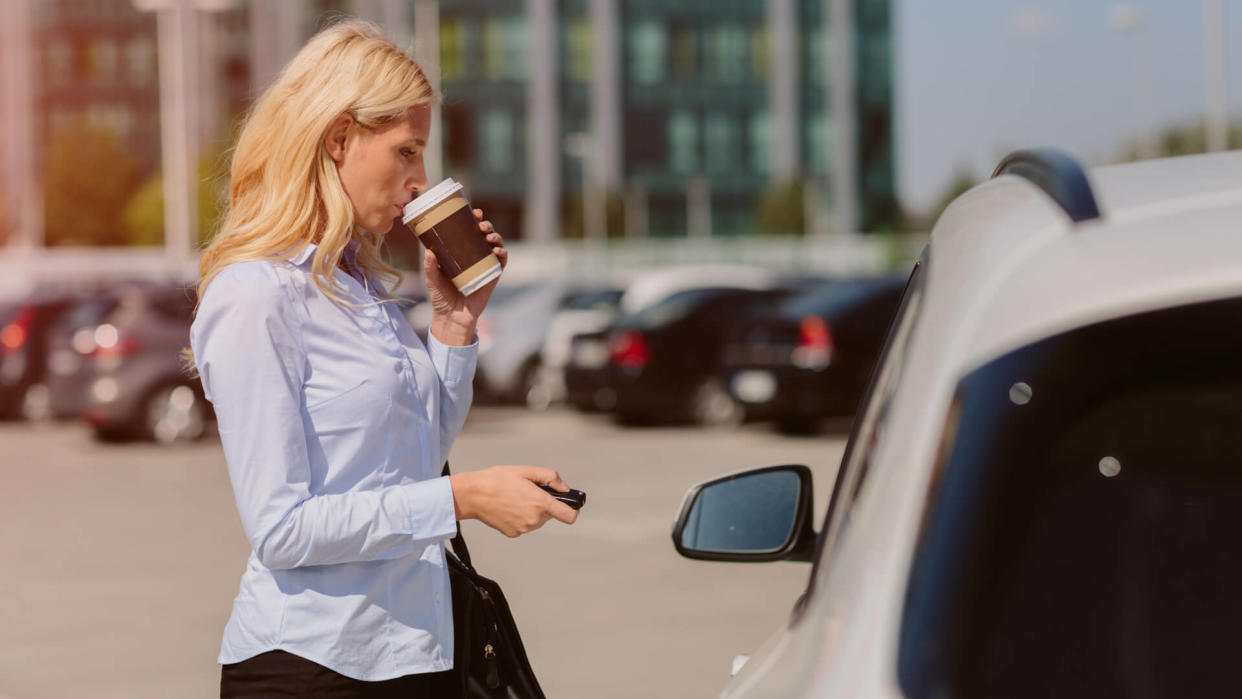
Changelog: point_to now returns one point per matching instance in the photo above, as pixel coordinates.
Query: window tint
(86, 313)
(870, 422)
(674, 307)
(831, 297)
(1082, 535)
(604, 299)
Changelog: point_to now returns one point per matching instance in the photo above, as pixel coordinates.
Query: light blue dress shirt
(335, 422)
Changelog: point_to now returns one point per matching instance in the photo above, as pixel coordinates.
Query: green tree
(1184, 139)
(143, 217)
(574, 220)
(90, 176)
(782, 210)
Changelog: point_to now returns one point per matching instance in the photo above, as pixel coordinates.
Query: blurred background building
(565, 118)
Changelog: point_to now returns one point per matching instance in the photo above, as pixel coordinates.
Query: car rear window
(1081, 537)
(831, 297)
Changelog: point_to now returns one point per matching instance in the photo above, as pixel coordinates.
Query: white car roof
(660, 284)
(1008, 265)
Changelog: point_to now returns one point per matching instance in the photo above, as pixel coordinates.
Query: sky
(976, 79)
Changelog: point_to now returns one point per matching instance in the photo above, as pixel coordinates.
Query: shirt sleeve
(248, 349)
(455, 367)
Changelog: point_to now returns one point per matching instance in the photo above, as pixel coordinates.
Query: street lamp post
(179, 56)
(1126, 19)
(1216, 75)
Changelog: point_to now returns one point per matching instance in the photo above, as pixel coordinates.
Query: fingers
(562, 512)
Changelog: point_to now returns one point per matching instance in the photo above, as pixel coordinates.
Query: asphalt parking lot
(120, 562)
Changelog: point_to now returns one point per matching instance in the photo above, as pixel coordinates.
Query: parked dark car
(664, 360)
(588, 377)
(140, 388)
(71, 345)
(23, 353)
(811, 358)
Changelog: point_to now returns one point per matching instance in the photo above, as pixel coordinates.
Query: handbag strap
(459, 544)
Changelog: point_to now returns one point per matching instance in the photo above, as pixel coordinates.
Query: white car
(1042, 492)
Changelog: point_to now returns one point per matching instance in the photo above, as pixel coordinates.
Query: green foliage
(143, 217)
(574, 222)
(782, 210)
(90, 176)
(1179, 140)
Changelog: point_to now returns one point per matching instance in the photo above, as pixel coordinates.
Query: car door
(786, 665)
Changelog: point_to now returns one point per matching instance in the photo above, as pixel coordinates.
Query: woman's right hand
(509, 499)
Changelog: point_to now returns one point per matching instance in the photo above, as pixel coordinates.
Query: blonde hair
(284, 189)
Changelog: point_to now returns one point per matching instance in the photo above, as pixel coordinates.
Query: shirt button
(397, 367)
(437, 598)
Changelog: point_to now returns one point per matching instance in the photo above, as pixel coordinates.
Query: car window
(674, 307)
(176, 304)
(831, 297)
(870, 422)
(86, 313)
(1081, 537)
(598, 299)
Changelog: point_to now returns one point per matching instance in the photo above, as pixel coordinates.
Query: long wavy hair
(284, 189)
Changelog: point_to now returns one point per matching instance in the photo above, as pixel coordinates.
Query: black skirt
(280, 674)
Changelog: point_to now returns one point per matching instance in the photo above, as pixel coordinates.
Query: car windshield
(676, 307)
(1081, 533)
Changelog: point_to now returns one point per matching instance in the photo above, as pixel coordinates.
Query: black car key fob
(574, 498)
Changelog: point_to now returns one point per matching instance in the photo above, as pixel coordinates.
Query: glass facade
(694, 79)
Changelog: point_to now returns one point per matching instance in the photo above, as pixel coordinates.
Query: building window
(683, 137)
(504, 49)
(723, 144)
(497, 140)
(140, 61)
(819, 140)
(60, 61)
(726, 53)
(760, 53)
(761, 142)
(685, 53)
(648, 52)
(102, 61)
(816, 52)
(452, 49)
(579, 43)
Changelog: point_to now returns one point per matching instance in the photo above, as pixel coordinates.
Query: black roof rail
(1059, 175)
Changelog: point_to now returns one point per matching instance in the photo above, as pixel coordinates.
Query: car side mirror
(762, 514)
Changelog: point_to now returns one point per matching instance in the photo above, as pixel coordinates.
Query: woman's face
(381, 168)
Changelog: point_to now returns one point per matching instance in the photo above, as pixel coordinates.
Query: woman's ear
(335, 140)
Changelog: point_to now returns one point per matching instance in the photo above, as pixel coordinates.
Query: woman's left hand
(454, 315)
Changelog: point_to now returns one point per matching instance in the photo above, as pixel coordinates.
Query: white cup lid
(430, 198)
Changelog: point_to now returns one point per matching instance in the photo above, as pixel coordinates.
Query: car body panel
(1006, 268)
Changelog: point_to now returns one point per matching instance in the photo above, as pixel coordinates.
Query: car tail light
(814, 349)
(14, 335)
(110, 342)
(629, 349)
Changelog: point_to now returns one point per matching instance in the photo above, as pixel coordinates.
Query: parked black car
(71, 345)
(811, 358)
(23, 353)
(140, 388)
(664, 360)
(588, 377)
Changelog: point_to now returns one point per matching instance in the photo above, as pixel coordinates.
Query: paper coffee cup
(443, 221)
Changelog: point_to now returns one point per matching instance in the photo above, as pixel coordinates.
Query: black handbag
(487, 651)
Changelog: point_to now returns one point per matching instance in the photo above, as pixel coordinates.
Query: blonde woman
(335, 419)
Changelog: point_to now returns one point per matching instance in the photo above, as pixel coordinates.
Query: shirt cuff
(433, 516)
(454, 364)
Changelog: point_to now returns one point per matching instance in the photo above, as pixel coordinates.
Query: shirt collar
(350, 254)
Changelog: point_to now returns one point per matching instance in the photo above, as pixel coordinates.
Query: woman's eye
(406, 152)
